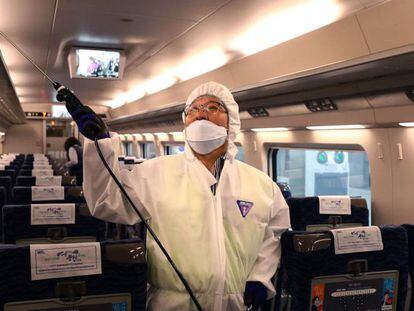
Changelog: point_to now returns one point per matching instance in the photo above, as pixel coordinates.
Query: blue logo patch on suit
(244, 207)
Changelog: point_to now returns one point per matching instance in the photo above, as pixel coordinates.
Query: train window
(148, 150)
(173, 149)
(240, 153)
(127, 148)
(323, 172)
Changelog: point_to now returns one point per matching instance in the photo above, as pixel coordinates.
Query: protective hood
(224, 94)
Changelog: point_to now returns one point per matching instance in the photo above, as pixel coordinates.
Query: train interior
(325, 90)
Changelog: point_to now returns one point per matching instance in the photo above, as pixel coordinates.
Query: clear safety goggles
(211, 108)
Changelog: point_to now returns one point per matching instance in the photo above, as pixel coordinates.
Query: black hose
(183, 280)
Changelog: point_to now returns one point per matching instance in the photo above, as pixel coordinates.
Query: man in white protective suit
(219, 219)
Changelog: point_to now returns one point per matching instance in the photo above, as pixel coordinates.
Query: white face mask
(204, 136)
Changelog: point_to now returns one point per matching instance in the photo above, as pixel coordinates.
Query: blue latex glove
(89, 123)
(255, 294)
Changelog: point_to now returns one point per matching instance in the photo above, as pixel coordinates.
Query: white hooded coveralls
(213, 245)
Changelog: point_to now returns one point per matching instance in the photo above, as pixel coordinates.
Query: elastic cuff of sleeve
(105, 135)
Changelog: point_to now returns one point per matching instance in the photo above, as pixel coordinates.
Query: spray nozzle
(56, 85)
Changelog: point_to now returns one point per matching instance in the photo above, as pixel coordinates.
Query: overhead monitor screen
(60, 111)
(97, 63)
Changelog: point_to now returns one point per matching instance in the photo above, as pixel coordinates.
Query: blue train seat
(30, 166)
(3, 196)
(304, 212)
(23, 172)
(11, 173)
(299, 264)
(124, 271)
(28, 181)
(27, 167)
(410, 233)
(17, 163)
(23, 195)
(7, 183)
(3, 201)
(12, 167)
(17, 227)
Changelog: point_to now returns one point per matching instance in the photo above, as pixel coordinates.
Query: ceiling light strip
(406, 124)
(336, 127)
(271, 129)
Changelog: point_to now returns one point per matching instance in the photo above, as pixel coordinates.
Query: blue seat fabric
(305, 211)
(298, 269)
(16, 225)
(16, 283)
(410, 234)
(23, 195)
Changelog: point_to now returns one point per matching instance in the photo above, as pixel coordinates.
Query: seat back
(123, 271)
(11, 173)
(298, 268)
(74, 194)
(410, 234)
(3, 201)
(26, 181)
(305, 212)
(6, 182)
(18, 228)
(33, 165)
(12, 167)
(17, 163)
(62, 171)
(68, 180)
(25, 172)
(23, 195)
(3, 197)
(27, 167)
(29, 181)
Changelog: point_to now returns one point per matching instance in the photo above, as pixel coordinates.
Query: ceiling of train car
(165, 42)
(355, 84)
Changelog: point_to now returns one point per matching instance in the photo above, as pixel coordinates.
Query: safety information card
(48, 193)
(50, 261)
(357, 239)
(52, 214)
(42, 166)
(337, 205)
(40, 162)
(48, 180)
(36, 172)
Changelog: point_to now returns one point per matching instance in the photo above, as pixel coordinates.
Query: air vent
(258, 112)
(319, 105)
